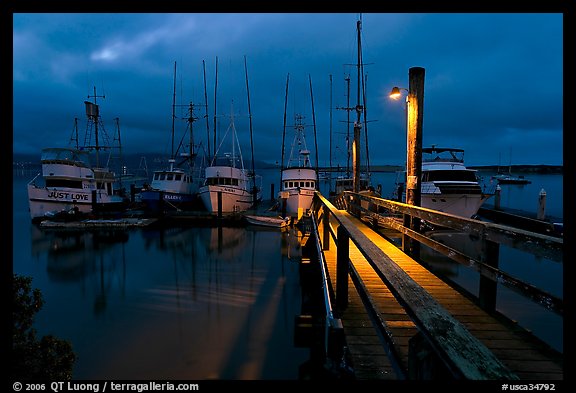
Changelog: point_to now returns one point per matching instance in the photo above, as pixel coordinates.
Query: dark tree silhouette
(33, 358)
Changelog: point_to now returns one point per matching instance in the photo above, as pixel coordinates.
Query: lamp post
(415, 113)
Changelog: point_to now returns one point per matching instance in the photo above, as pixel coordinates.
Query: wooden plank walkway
(516, 349)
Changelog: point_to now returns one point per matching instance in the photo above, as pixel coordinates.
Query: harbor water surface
(216, 303)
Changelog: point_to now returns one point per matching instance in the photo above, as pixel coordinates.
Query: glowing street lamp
(415, 114)
(396, 93)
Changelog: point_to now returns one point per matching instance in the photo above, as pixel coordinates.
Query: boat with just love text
(69, 181)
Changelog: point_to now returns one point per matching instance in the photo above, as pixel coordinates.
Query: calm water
(543, 273)
(181, 303)
(204, 303)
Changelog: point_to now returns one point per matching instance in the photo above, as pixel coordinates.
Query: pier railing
(463, 355)
(490, 236)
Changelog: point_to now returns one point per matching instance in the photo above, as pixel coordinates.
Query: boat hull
(234, 200)
(155, 200)
(464, 205)
(44, 201)
(299, 201)
(298, 189)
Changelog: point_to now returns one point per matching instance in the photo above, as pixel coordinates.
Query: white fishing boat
(447, 185)
(176, 187)
(69, 182)
(299, 178)
(228, 186)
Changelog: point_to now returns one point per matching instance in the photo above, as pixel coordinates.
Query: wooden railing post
(326, 229)
(488, 288)
(342, 265)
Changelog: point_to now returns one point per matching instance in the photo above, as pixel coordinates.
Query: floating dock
(120, 223)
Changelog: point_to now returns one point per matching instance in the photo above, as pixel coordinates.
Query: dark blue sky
(493, 84)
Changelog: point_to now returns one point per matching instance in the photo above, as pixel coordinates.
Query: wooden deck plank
(500, 339)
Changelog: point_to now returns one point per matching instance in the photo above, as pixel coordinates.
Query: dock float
(120, 223)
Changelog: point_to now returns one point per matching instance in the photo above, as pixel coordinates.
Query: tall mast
(284, 131)
(254, 190)
(330, 151)
(366, 123)
(93, 114)
(347, 79)
(173, 118)
(215, 91)
(359, 110)
(206, 105)
(314, 123)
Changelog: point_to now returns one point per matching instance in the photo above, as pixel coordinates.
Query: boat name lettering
(67, 196)
(172, 197)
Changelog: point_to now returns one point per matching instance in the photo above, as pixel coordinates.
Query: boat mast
(365, 122)
(118, 137)
(347, 79)
(215, 91)
(94, 117)
(284, 130)
(254, 190)
(330, 150)
(173, 119)
(314, 124)
(359, 109)
(206, 106)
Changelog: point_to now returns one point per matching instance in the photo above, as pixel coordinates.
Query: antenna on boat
(284, 130)
(254, 190)
(206, 115)
(314, 123)
(93, 114)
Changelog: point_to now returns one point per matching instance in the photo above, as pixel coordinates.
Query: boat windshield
(446, 155)
(227, 160)
(449, 175)
(73, 156)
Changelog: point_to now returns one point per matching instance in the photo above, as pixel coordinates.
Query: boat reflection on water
(73, 255)
(187, 303)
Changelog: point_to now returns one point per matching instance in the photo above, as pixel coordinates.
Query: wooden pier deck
(385, 355)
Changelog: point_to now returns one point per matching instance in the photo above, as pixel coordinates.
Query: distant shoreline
(540, 169)
(33, 161)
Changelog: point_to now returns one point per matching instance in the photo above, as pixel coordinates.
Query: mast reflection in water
(178, 303)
